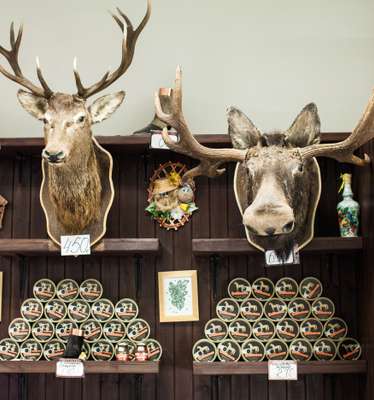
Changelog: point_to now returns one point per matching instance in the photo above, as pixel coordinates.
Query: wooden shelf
(90, 367)
(39, 247)
(130, 143)
(241, 246)
(261, 368)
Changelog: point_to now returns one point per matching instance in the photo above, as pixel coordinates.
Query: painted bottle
(348, 209)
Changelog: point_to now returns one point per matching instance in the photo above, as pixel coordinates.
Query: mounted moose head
(277, 179)
(77, 189)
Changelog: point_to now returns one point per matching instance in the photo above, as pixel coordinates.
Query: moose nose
(53, 158)
(270, 231)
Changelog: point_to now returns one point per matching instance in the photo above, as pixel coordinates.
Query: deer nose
(53, 158)
(270, 231)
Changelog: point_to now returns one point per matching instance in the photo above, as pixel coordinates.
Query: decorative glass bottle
(348, 209)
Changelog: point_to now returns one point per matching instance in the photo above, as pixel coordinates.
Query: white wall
(269, 58)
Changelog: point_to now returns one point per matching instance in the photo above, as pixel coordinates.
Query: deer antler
(17, 76)
(130, 36)
(210, 159)
(343, 151)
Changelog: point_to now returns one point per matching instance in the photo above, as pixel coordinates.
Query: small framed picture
(178, 296)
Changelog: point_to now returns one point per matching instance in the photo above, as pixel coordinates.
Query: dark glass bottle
(75, 344)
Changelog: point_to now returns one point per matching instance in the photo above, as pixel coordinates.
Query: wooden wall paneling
(37, 266)
(277, 390)
(366, 273)
(314, 383)
(73, 270)
(183, 330)
(8, 383)
(91, 385)
(165, 262)
(128, 227)
(148, 277)
(295, 389)
(240, 385)
(200, 229)
(54, 387)
(110, 275)
(218, 217)
(219, 229)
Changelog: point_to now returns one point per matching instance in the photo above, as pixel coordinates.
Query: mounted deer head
(277, 180)
(74, 165)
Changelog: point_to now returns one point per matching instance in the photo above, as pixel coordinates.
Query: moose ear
(35, 105)
(305, 130)
(241, 129)
(104, 106)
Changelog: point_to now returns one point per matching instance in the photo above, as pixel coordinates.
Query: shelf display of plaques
(275, 321)
(109, 332)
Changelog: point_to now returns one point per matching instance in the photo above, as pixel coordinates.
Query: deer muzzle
(54, 157)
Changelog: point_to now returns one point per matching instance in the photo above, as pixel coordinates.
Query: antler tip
(37, 62)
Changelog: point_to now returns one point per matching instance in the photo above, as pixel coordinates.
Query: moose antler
(343, 151)
(17, 76)
(210, 159)
(130, 37)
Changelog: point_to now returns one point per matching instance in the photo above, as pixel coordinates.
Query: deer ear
(35, 105)
(305, 130)
(105, 106)
(242, 131)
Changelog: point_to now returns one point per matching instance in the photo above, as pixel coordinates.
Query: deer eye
(81, 119)
(45, 121)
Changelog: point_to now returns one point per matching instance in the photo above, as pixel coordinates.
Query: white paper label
(75, 245)
(272, 258)
(69, 368)
(282, 370)
(157, 142)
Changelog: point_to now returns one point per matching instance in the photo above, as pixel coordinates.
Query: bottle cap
(77, 332)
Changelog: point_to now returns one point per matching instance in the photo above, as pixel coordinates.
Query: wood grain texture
(347, 278)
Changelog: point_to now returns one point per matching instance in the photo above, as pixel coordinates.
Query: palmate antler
(210, 159)
(17, 76)
(130, 36)
(343, 151)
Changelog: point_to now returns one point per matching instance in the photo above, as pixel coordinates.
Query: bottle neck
(347, 192)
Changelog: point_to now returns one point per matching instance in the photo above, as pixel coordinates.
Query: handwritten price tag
(157, 142)
(75, 245)
(69, 368)
(282, 370)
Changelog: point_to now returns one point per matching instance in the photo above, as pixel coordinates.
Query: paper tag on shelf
(69, 368)
(282, 370)
(75, 245)
(157, 142)
(273, 258)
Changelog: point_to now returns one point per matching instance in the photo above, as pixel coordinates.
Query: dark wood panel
(217, 217)
(35, 247)
(90, 367)
(241, 246)
(261, 368)
(129, 143)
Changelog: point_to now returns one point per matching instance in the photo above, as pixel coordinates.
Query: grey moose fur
(277, 179)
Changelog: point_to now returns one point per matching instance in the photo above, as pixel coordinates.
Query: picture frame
(1, 296)
(178, 296)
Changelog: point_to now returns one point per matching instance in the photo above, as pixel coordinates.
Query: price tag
(69, 368)
(273, 258)
(282, 370)
(157, 142)
(75, 245)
